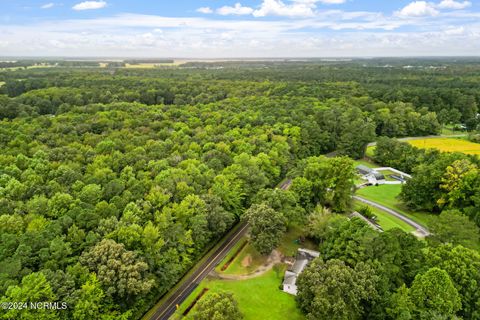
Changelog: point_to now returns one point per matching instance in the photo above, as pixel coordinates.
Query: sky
(239, 29)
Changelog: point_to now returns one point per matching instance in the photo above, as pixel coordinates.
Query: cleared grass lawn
(256, 261)
(370, 151)
(448, 145)
(258, 298)
(288, 247)
(449, 130)
(387, 195)
(290, 242)
(366, 163)
(385, 220)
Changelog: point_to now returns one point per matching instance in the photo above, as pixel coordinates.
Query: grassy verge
(385, 220)
(205, 257)
(230, 254)
(387, 195)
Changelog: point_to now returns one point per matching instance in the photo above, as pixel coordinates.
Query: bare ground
(274, 258)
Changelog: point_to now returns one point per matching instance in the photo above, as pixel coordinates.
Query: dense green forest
(114, 182)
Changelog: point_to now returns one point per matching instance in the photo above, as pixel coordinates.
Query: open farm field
(447, 145)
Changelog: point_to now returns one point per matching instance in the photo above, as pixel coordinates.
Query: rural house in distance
(372, 176)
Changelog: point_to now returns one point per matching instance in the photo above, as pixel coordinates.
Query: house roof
(299, 265)
(304, 256)
(290, 278)
(378, 175)
(314, 254)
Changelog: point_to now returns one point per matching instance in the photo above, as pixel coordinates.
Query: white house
(373, 176)
(304, 256)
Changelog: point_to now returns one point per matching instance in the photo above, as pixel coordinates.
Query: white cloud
(455, 31)
(418, 9)
(424, 8)
(89, 5)
(296, 8)
(237, 9)
(48, 5)
(452, 4)
(356, 33)
(332, 1)
(299, 8)
(206, 10)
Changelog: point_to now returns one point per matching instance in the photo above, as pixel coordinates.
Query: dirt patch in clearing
(229, 262)
(274, 258)
(247, 261)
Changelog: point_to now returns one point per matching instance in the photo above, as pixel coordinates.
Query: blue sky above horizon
(249, 28)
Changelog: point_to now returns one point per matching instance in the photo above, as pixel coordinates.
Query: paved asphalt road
(421, 230)
(166, 310)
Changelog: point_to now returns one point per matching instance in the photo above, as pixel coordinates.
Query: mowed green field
(366, 163)
(386, 195)
(447, 145)
(289, 244)
(259, 297)
(385, 220)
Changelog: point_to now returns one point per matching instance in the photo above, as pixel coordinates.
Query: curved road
(168, 308)
(420, 230)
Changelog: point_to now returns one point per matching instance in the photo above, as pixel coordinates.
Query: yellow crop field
(447, 145)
